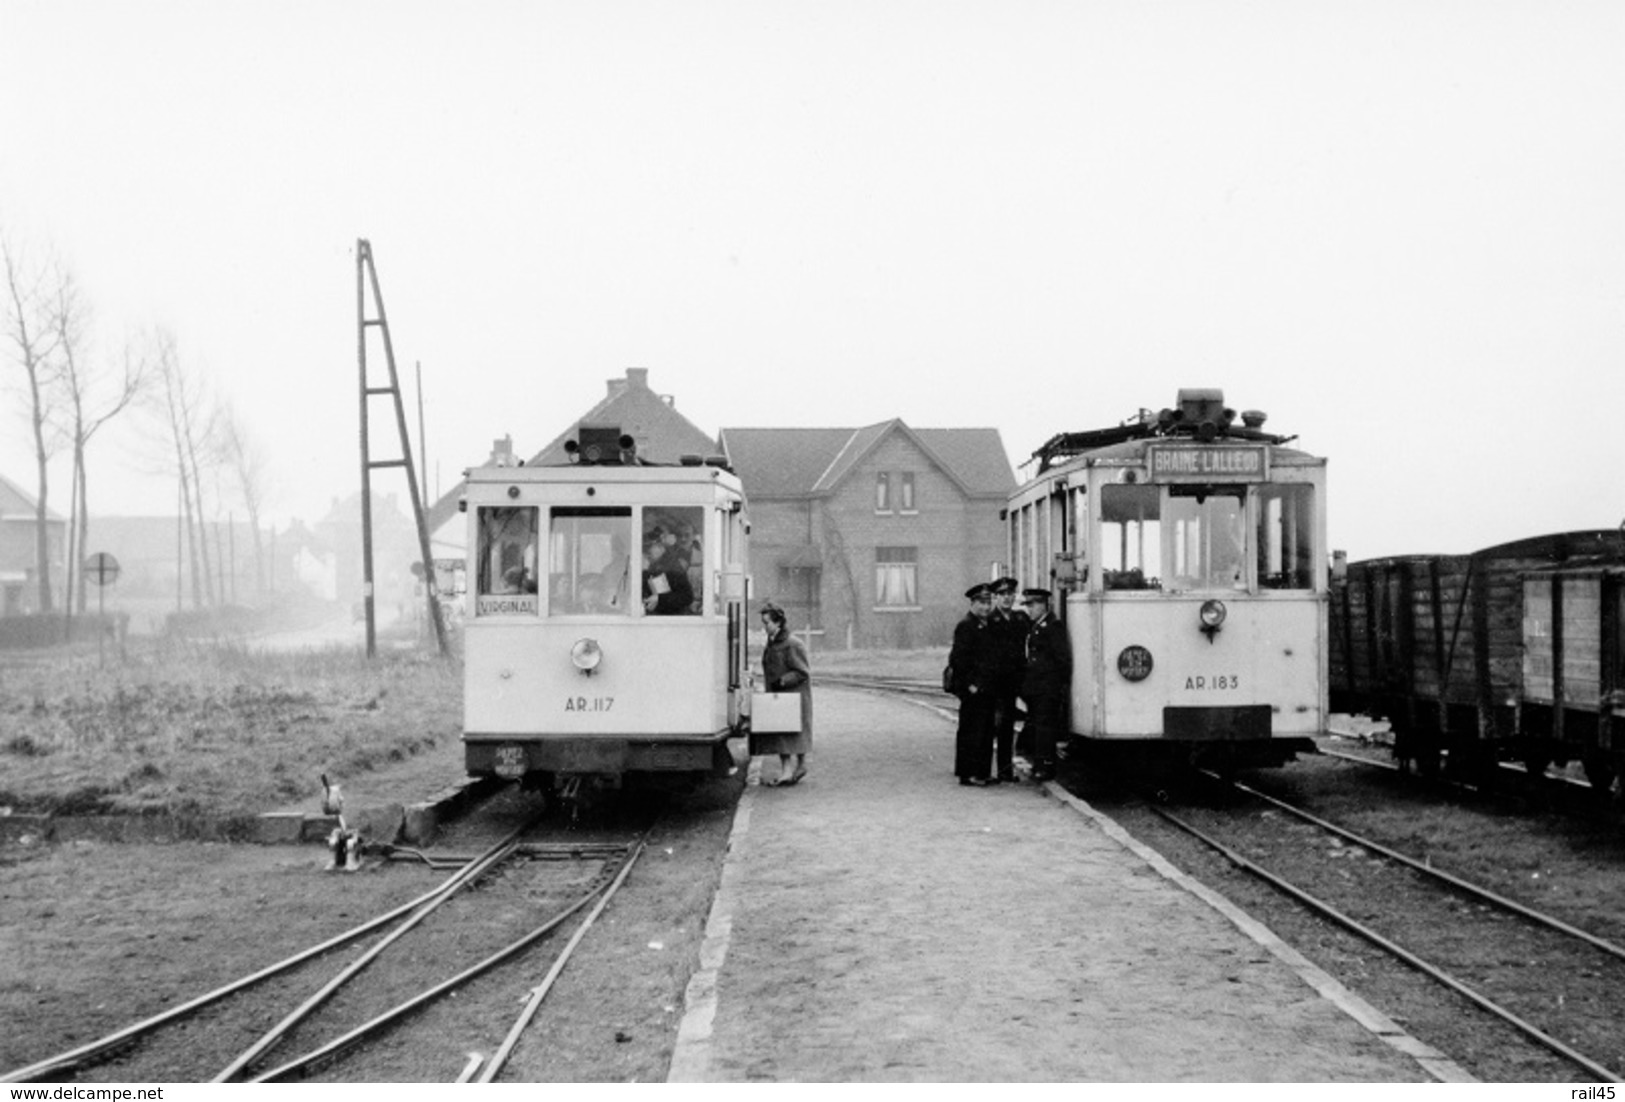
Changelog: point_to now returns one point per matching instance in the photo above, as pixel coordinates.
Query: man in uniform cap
(1010, 631)
(1045, 685)
(974, 665)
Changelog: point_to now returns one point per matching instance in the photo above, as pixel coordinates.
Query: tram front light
(1212, 616)
(586, 654)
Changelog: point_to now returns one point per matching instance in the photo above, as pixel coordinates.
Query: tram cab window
(589, 561)
(1206, 536)
(1286, 536)
(1130, 536)
(673, 560)
(505, 584)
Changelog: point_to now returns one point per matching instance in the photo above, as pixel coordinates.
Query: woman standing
(785, 669)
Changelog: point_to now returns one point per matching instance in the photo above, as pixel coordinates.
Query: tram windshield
(1207, 530)
(505, 582)
(673, 560)
(589, 561)
(1188, 538)
(1286, 537)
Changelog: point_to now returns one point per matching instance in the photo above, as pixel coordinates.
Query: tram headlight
(586, 654)
(1212, 616)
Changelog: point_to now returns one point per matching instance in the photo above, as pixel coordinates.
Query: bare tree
(90, 404)
(190, 425)
(33, 345)
(247, 463)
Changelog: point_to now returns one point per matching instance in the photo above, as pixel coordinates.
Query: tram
(604, 636)
(1184, 550)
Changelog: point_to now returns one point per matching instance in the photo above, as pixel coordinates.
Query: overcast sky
(1398, 228)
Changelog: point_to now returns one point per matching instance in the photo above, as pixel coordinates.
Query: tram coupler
(344, 848)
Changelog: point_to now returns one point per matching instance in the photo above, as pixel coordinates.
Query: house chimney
(638, 377)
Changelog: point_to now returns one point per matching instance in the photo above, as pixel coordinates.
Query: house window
(896, 583)
(882, 493)
(906, 492)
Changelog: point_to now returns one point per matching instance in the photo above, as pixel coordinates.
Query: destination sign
(1209, 463)
(519, 604)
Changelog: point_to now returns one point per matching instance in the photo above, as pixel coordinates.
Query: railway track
(493, 877)
(1507, 987)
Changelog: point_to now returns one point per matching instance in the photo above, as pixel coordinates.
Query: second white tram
(1185, 552)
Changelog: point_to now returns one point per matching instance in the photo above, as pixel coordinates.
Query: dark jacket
(1010, 634)
(678, 600)
(1049, 660)
(785, 668)
(974, 657)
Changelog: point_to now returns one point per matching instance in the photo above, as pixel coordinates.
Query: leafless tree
(90, 404)
(191, 425)
(33, 346)
(247, 463)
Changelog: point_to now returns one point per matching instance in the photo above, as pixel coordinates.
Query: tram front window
(506, 573)
(1206, 545)
(673, 560)
(590, 569)
(1286, 537)
(1130, 536)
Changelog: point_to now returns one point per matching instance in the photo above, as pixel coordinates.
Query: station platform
(879, 922)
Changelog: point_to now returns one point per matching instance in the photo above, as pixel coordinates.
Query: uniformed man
(1046, 684)
(1010, 626)
(974, 663)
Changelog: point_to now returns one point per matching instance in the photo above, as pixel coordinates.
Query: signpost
(103, 569)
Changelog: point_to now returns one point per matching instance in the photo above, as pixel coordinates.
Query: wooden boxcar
(1511, 653)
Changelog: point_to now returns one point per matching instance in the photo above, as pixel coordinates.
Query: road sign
(102, 568)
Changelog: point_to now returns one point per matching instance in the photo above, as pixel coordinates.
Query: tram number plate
(1213, 681)
(509, 761)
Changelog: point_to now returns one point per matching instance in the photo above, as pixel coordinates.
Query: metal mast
(366, 274)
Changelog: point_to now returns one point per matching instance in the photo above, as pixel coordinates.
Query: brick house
(870, 536)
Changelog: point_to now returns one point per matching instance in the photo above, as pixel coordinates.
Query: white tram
(1185, 553)
(605, 629)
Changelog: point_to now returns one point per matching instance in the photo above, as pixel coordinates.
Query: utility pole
(366, 274)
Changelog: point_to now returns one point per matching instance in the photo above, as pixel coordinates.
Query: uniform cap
(979, 590)
(1006, 585)
(1036, 594)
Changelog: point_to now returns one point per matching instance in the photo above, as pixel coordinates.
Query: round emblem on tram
(1134, 663)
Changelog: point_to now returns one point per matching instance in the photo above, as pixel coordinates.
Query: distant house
(870, 536)
(395, 551)
(159, 574)
(19, 551)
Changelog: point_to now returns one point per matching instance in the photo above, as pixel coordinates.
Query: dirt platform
(878, 922)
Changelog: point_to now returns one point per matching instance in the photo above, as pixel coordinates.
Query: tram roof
(1135, 450)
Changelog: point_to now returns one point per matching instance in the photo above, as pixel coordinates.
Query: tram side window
(1286, 537)
(589, 561)
(505, 577)
(1130, 536)
(673, 560)
(1207, 530)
